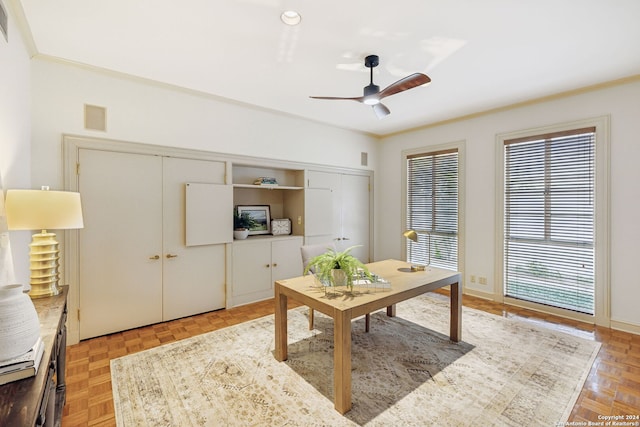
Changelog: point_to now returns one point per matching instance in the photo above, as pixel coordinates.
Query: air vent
(95, 118)
(364, 159)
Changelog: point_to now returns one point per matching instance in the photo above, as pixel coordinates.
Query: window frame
(458, 146)
(602, 313)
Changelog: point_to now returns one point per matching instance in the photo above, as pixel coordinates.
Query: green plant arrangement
(325, 266)
(243, 221)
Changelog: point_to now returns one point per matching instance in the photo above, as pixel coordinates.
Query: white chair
(310, 251)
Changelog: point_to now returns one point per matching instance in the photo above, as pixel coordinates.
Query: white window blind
(432, 207)
(549, 219)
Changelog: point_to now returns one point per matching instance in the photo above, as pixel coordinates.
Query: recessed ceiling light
(290, 17)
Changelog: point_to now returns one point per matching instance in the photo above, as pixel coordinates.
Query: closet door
(120, 246)
(349, 219)
(193, 276)
(355, 215)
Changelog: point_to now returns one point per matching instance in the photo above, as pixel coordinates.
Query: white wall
(15, 134)
(148, 113)
(620, 102)
(145, 112)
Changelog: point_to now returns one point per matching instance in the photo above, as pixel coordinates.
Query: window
(549, 219)
(432, 208)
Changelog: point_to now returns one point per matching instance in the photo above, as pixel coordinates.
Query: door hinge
(77, 168)
(78, 315)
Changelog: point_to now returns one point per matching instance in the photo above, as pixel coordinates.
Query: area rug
(405, 372)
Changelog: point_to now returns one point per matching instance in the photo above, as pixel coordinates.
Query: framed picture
(261, 215)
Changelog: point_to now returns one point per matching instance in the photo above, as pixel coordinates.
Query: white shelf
(267, 187)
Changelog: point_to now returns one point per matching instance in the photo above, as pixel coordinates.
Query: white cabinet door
(258, 262)
(251, 270)
(193, 277)
(286, 259)
(120, 279)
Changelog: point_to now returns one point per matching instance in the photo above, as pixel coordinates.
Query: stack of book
(23, 366)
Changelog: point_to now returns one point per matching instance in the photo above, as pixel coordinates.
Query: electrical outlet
(299, 220)
(472, 278)
(482, 280)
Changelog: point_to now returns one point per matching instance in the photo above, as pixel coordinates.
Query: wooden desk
(405, 284)
(38, 401)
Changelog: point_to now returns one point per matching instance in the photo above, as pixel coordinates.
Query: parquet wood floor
(612, 387)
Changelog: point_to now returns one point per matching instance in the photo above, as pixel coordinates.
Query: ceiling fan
(372, 93)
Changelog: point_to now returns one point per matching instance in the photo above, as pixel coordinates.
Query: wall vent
(364, 159)
(4, 22)
(95, 118)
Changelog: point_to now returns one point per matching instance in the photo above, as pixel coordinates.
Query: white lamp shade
(43, 210)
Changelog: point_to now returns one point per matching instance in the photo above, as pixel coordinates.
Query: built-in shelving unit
(286, 200)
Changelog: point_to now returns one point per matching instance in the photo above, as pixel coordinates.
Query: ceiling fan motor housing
(371, 89)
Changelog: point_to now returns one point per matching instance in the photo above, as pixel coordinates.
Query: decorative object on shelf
(261, 217)
(338, 268)
(265, 180)
(413, 236)
(280, 226)
(242, 222)
(19, 323)
(43, 210)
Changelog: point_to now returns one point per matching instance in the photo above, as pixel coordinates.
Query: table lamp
(413, 235)
(43, 210)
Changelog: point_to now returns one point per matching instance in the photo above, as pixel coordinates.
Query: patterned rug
(406, 372)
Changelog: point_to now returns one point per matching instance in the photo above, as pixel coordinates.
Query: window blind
(432, 208)
(549, 219)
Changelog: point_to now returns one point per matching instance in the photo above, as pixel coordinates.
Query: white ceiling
(479, 54)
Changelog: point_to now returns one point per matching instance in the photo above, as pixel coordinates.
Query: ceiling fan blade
(357, 98)
(380, 110)
(409, 82)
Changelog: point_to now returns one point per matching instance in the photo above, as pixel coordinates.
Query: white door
(350, 213)
(355, 215)
(323, 210)
(193, 277)
(121, 242)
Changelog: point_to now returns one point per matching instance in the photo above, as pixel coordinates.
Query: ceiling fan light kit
(291, 17)
(372, 94)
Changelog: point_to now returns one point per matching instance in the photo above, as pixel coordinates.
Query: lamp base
(44, 255)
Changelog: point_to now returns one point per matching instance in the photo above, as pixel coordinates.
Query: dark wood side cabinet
(39, 400)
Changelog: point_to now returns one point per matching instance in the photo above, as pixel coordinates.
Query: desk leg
(342, 360)
(281, 324)
(455, 332)
(391, 310)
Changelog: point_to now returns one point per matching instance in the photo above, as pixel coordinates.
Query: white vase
(240, 234)
(19, 323)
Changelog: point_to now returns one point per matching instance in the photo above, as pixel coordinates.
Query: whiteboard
(209, 214)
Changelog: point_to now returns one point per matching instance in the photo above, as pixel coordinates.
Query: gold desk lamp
(413, 235)
(43, 210)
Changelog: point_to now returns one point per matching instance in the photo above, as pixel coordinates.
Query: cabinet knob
(155, 257)
(267, 266)
(275, 265)
(172, 256)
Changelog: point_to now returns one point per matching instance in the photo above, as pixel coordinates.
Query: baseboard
(625, 327)
(480, 294)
